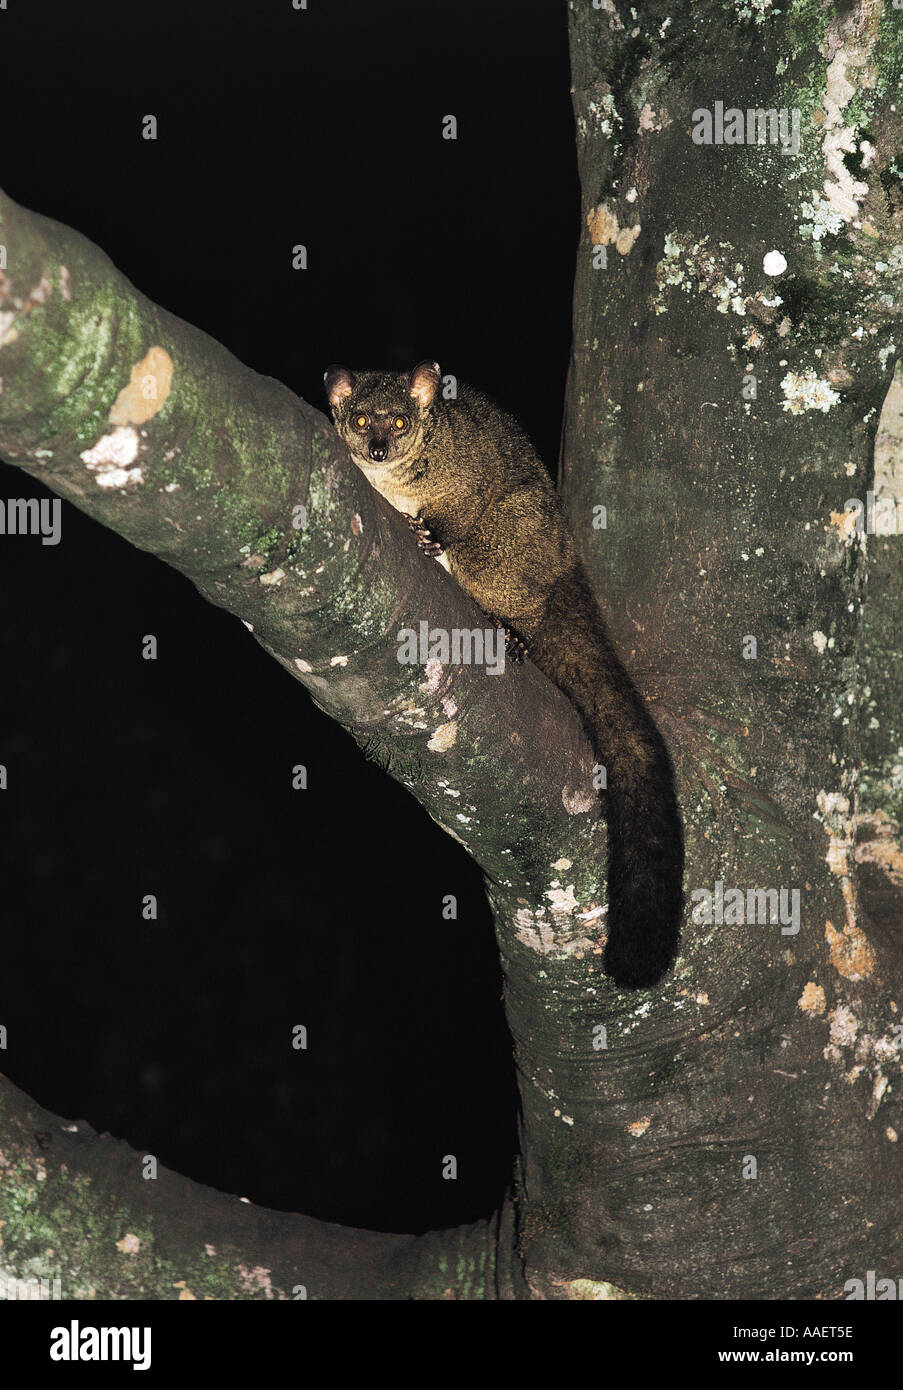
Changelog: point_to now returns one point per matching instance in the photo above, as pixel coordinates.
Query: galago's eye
(400, 422)
(360, 422)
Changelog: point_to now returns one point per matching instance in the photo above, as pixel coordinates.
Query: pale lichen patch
(846, 524)
(604, 230)
(562, 899)
(650, 121)
(147, 390)
(834, 810)
(444, 737)
(850, 951)
(879, 1086)
(805, 391)
(812, 999)
(843, 191)
(844, 1026)
(532, 930)
(638, 1127)
(433, 672)
(578, 800)
(591, 1290)
(272, 577)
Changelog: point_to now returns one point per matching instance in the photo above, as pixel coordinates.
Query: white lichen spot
(774, 263)
(806, 391)
(844, 1026)
(449, 708)
(534, 931)
(303, 665)
(821, 219)
(819, 641)
(444, 737)
(757, 10)
(129, 1245)
(638, 1127)
(111, 456)
(604, 114)
(562, 865)
(844, 192)
(272, 577)
(433, 673)
(249, 626)
(879, 1086)
(338, 661)
(562, 899)
(172, 487)
(703, 267)
(891, 1134)
(65, 284)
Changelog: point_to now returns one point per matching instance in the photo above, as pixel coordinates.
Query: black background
(126, 777)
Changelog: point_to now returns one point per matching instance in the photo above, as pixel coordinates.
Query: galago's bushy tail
(645, 833)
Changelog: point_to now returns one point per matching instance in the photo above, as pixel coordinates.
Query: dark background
(129, 777)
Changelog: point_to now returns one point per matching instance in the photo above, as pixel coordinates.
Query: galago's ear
(339, 384)
(424, 383)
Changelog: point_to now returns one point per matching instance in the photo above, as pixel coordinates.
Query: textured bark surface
(726, 519)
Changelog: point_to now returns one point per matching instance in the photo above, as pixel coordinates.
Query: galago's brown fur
(480, 501)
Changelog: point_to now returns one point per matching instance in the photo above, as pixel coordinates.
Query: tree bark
(725, 521)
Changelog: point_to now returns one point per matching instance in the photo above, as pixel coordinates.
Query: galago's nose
(378, 450)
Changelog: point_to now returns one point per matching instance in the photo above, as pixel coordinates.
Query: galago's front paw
(516, 648)
(424, 537)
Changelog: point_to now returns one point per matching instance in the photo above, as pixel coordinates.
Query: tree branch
(151, 427)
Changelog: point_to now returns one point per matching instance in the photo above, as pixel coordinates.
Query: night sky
(127, 777)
